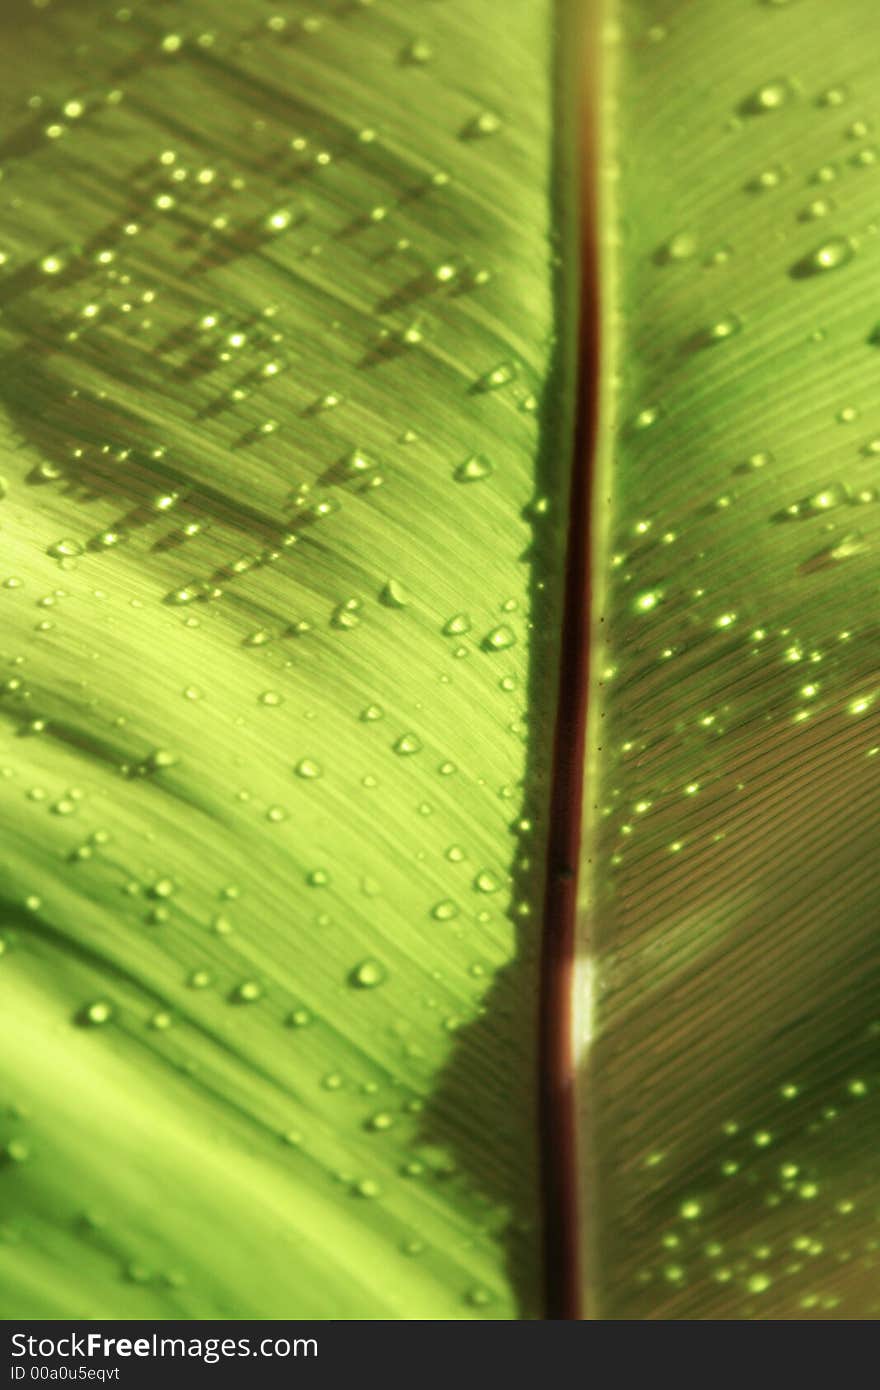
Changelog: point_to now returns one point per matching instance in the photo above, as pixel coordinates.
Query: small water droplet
(393, 594)
(499, 639)
(369, 974)
(499, 376)
(65, 550)
(718, 332)
(247, 992)
(407, 744)
(486, 882)
(831, 255)
(473, 469)
(679, 247)
(346, 615)
(308, 769)
(97, 1013)
(771, 96)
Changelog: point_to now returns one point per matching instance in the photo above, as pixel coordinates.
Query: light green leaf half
(731, 894)
(286, 358)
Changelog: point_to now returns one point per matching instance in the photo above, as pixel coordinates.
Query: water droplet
(457, 626)
(647, 601)
(96, 1013)
(367, 1188)
(394, 595)
(478, 1297)
(486, 882)
(418, 52)
(499, 376)
(831, 255)
(487, 123)
(718, 332)
(444, 911)
(827, 498)
(160, 759)
(499, 639)
(771, 96)
(308, 768)
(65, 550)
(679, 247)
(248, 992)
(380, 1122)
(346, 615)
(357, 463)
(369, 974)
(407, 744)
(473, 469)
(647, 417)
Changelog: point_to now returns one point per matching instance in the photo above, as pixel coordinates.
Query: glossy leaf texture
(288, 303)
(728, 1020)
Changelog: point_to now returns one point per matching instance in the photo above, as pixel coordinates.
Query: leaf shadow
(491, 1083)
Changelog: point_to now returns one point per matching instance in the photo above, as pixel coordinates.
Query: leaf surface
(287, 385)
(730, 896)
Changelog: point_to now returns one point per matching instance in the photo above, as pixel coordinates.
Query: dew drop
(473, 469)
(718, 332)
(499, 639)
(393, 594)
(771, 96)
(97, 1013)
(486, 882)
(499, 376)
(679, 247)
(247, 992)
(346, 615)
(65, 550)
(369, 974)
(407, 744)
(831, 255)
(380, 1122)
(308, 769)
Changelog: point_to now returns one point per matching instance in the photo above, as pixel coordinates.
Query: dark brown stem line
(558, 1084)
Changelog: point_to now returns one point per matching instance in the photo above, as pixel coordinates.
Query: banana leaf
(727, 1028)
(288, 307)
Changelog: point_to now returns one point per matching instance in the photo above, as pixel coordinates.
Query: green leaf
(287, 358)
(730, 891)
